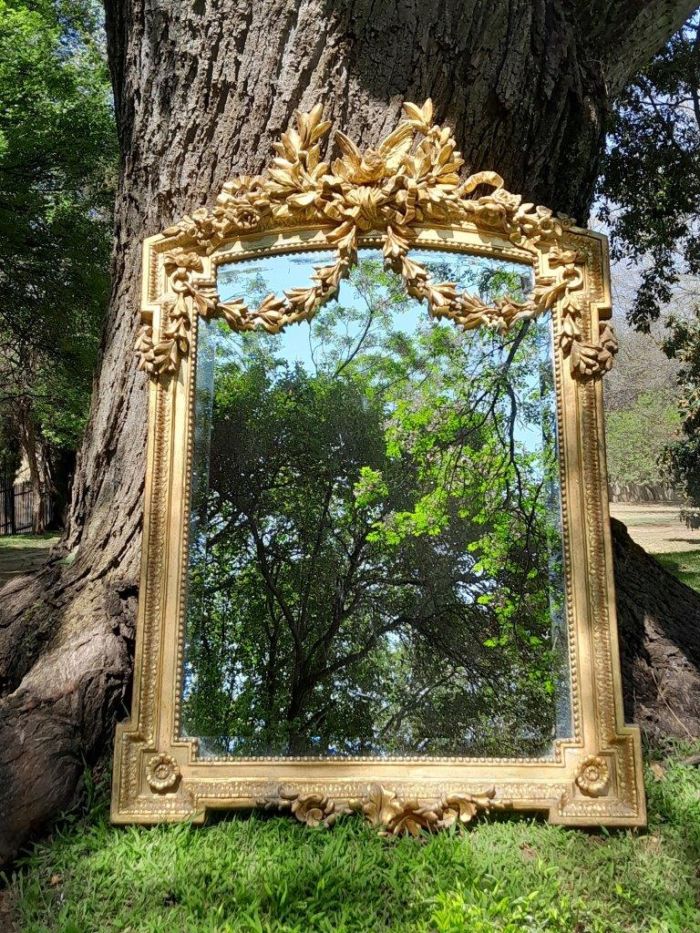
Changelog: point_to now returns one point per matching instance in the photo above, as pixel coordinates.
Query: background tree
(641, 400)
(202, 91)
(57, 172)
(637, 436)
(650, 184)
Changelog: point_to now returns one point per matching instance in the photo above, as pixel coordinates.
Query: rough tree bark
(202, 91)
(659, 623)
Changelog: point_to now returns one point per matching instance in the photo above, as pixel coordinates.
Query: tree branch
(628, 33)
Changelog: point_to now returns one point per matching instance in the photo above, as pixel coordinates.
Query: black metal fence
(16, 507)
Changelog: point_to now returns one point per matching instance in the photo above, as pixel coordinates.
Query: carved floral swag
(392, 189)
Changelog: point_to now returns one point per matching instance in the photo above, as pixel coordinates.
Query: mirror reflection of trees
(375, 556)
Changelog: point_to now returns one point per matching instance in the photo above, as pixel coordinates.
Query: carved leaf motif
(312, 809)
(384, 810)
(460, 809)
(413, 818)
(144, 346)
(396, 145)
(304, 199)
(608, 346)
(396, 246)
(352, 154)
(380, 806)
(441, 295)
(236, 314)
(588, 360)
(421, 116)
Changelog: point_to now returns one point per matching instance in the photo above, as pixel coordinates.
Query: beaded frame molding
(406, 193)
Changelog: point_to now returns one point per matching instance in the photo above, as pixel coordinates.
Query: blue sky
(294, 271)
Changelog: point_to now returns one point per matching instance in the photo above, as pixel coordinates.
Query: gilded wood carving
(385, 811)
(406, 194)
(392, 189)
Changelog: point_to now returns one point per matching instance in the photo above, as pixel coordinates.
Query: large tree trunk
(203, 89)
(659, 623)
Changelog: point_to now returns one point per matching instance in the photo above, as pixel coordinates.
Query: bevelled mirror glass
(375, 555)
(377, 566)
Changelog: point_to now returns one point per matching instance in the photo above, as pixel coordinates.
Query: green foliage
(57, 174)
(651, 189)
(682, 458)
(650, 180)
(637, 438)
(271, 874)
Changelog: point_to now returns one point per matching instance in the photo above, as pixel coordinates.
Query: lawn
(271, 874)
(659, 529)
(23, 553)
(243, 874)
(683, 564)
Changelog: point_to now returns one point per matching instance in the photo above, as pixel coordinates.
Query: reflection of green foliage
(491, 279)
(372, 572)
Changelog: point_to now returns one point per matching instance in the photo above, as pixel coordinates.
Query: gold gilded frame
(405, 194)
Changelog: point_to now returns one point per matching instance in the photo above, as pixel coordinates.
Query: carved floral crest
(385, 810)
(411, 179)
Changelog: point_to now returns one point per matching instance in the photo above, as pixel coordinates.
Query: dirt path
(656, 528)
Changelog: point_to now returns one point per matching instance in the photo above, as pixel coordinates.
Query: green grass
(21, 542)
(683, 564)
(23, 553)
(271, 874)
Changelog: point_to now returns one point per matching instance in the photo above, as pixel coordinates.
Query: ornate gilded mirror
(376, 562)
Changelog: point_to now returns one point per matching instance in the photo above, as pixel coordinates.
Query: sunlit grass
(260, 874)
(21, 542)
(20, 554)
(683, 564)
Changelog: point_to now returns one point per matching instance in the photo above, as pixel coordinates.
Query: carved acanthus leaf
(589, 360)
(313, 809)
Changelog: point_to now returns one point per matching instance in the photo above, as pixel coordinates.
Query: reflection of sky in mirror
(294, 271)
(253, 279)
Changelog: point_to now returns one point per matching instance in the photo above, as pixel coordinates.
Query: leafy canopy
(651, 200)
(57, 169)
